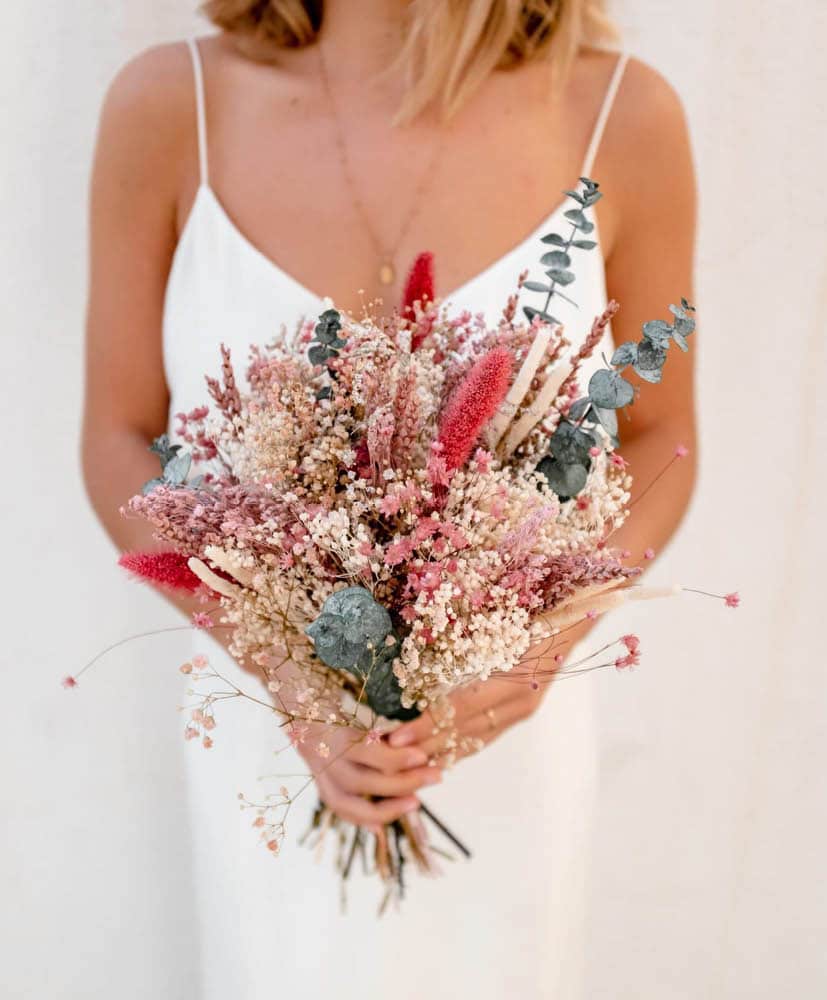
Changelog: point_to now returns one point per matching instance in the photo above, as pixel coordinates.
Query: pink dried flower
(649, 553)
(206, 743)
(681, 451)
(631, 642)
(200, 662)
(200, 619)
(167, 569)
(473, 404)
(186, 668)
(732, 600)
(624, 662)
(69, 682)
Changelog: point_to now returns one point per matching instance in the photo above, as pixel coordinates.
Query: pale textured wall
(709, 876)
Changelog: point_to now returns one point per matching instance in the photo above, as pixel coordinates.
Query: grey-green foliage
(568, 463)
(557, 263)
(175, 466)
(355, 633)
(326, 345)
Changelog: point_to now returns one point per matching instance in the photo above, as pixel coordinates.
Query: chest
(325, 188)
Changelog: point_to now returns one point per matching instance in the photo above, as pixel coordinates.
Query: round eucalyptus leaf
(350, 626)
(177, 469)
(318, 354)
(554, 239)
(658, 332)
(330, 323)
(531, 313)
(610, 390)
(382, 689)
(576, 216)
(557, 258)
(626, 354)
(650, 361)
(570, 445)
(680, 340)
(562, 277)
(579, 409)
(608, 420)
(566, 480)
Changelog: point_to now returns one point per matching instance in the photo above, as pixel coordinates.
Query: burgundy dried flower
(420, 284)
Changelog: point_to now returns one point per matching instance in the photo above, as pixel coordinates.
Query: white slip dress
(510, 922)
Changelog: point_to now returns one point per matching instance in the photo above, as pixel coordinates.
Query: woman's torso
(233, 279)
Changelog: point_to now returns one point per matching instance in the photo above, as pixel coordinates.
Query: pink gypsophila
(473, 404)
(167, 569)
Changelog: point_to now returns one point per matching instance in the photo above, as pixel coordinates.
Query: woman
(308, 149)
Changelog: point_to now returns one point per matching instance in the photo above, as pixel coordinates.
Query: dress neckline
(207, 196)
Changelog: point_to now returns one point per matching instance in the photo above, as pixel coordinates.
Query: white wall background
(710, 877)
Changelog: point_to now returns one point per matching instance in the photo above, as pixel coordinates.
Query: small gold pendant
(386, 273)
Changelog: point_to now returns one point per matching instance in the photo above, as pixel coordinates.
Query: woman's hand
(350, 771)
(482, 712)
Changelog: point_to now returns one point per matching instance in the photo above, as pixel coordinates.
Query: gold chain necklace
(386, 254)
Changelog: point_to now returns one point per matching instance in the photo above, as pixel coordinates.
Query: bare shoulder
(646, 150)
(148, 114)
(153, 84)
(648, 103)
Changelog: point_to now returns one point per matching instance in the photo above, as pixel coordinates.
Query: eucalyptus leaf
(177, 469)
(152, 484)
(576, 195)
(382, 689)
(531, 313)
(570, 445)
(658, 332)
(608, 420)
(587, 227)
(579, 409)
(319, 353)
(593, 197)
(324, 393)
(680, 340)
(330, 323)
(687, 305)
(566, 480)
(165, 451)
(626, 354)
(650, 361)
(584, 244)
(561, 276)
(350, 625)
(610, 390)
(557, 258)
(684, 325)
(536, 286)
(554, 239)
(576, 216)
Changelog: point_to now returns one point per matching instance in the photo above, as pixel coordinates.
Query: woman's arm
(145, 159)
(648, 219)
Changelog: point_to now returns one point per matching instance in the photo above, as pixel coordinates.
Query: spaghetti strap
(603, 116)
(201, 110)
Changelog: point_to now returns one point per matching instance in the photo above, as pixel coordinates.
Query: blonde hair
(451, 46)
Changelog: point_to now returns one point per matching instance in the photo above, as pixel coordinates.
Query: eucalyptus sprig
(326, 344)
(569, 461)
(175, 466)
(356, 634)
(558, 262)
